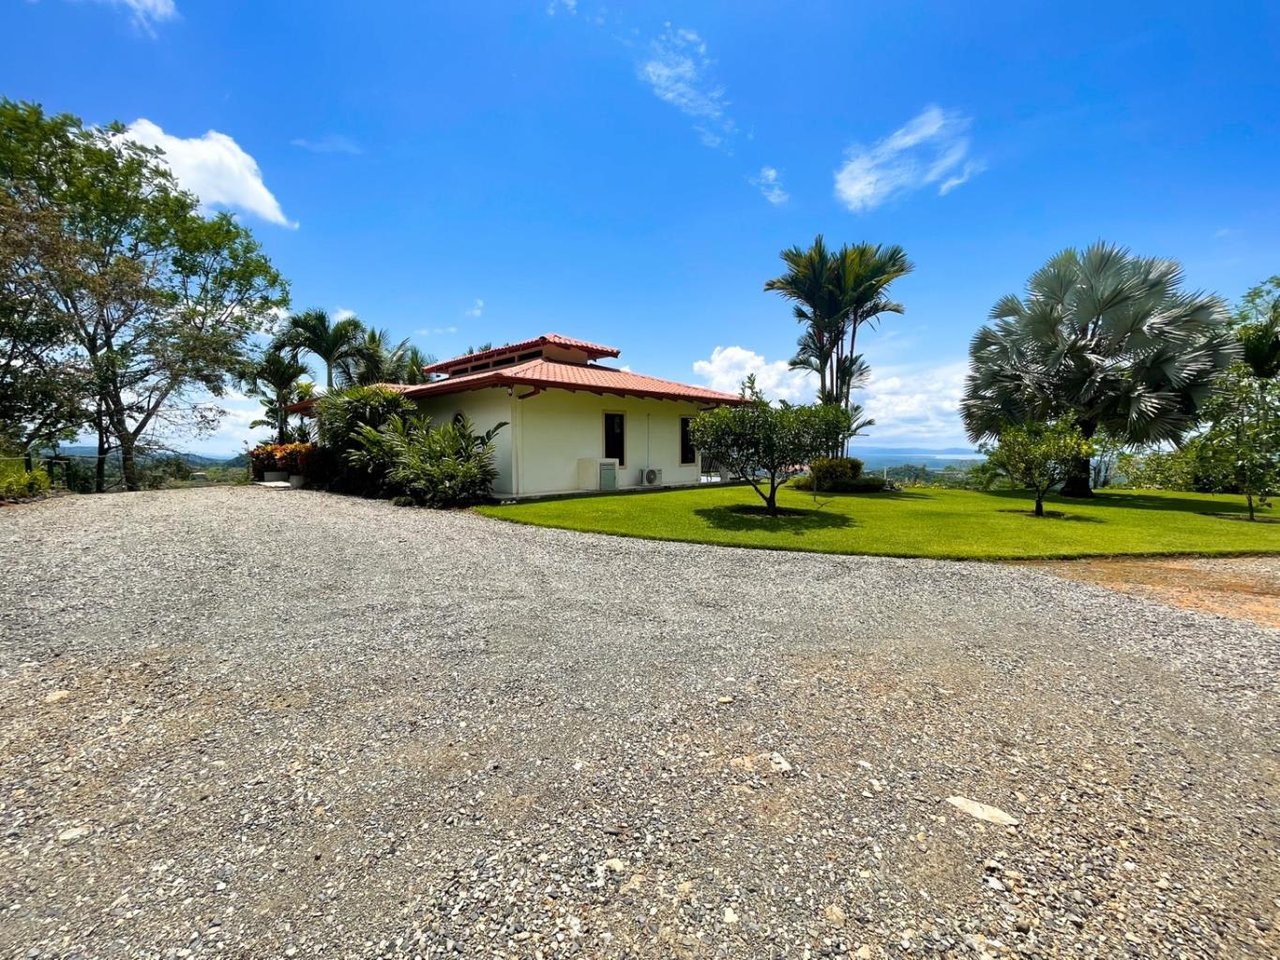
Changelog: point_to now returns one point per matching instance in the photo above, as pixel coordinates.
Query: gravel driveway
(250, 723)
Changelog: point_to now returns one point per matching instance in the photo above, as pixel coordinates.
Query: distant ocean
(878, 458)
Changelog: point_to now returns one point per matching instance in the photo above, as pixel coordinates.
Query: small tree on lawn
(767, 445)
(1039, 455)
(1240, 452)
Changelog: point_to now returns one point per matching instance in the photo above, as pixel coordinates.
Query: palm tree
(836, 293)
(375, 359)
(1105, 339)
(808, 283)
(274, 376)
(415, 363)
(314, 332)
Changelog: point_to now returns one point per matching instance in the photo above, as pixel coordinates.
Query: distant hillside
(197, 460)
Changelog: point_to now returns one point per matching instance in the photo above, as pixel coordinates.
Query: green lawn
(955, 524)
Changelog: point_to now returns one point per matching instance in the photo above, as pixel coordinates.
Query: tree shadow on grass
(1053, 515)
(754, 519)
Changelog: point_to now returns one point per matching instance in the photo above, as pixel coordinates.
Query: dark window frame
(604, 427)
(686, 443)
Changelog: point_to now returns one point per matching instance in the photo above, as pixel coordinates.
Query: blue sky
(490, 171)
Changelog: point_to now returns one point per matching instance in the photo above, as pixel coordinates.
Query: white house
(573, 424)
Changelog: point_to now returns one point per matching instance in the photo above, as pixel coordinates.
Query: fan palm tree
(315, 332)
(275, 377)
(1105, 339)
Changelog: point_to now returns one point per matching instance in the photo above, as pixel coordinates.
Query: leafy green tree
(835, 294)
(1258, 327)
(160, 301)
(1038, 455)
(275, 377)
(1157, 469)
(767, 445)
(1106, 340)
(42, 384)
(334, 343)
(1240, 451)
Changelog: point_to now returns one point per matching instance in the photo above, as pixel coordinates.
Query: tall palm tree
(808, 283)
(836, 293)
(315, 332)
(1106, 339)
(275, 377)
(375, 359)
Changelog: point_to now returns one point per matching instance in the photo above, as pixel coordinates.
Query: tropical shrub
(263, 459)
(868, 484)
(341, 419)
(1240, 451)
(19, 483)
(833, 474)
(446, 466)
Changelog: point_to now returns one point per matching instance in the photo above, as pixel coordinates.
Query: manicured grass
(956, 524)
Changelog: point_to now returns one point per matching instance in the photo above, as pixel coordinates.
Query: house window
(687, 453)
(615, 439)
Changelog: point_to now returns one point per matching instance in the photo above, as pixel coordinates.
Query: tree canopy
(1102, 338)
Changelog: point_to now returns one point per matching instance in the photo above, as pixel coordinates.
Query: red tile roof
(589, 378)
(593, 351)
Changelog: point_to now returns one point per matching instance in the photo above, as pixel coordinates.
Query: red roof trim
(592, 350)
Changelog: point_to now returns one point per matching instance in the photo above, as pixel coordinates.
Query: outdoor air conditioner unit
(651, 477)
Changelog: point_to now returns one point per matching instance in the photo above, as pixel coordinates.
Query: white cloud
(913, 404)
(330, 143)
(931, 148)
(215, 169)
(568, 6)
(146, 13)
(342, 313)
(476, 308)
(728, 367)
(770, 185)
(679, 72)
(916, 404)
(435, 331)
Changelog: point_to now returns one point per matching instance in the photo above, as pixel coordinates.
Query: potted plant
(266, 463)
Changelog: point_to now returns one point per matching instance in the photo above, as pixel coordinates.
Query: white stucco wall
(538, 453)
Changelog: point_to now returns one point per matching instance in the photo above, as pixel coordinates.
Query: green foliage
(1158, 469)
(865, 484)
(1258, 327)
(160, 301)
(19, 483)
(1240, 451)
(276, 378)
(766, 444)
(332, 342)
(835, 293)
(446, 466)
(838, 475)
(1104, 339)
(1038, 455)
(340, 417)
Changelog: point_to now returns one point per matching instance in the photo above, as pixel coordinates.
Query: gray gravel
(249, 723)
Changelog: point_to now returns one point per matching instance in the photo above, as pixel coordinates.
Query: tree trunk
(1249, 497)
(1078, 480)
(1040, 506)
(128, 466)
(771, 501)
(100, 468)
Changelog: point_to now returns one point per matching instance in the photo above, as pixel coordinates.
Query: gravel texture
(250, 723)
